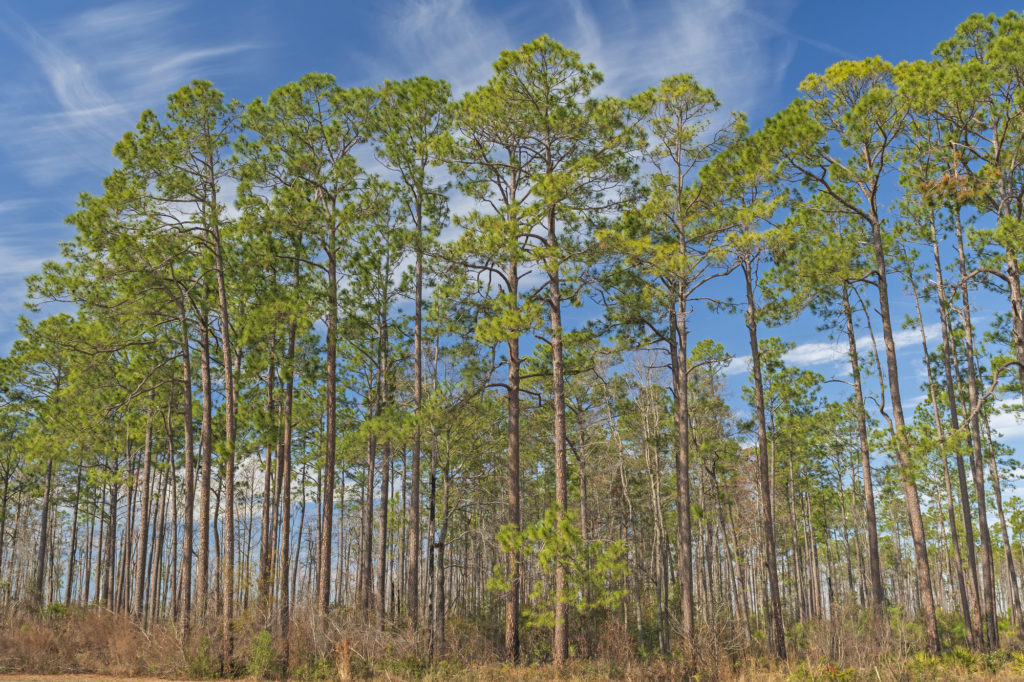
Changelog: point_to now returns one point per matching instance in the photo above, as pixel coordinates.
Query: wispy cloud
(100, 69)
(817, 353)
(447, 39)
(1007, 421)
(20, 258)
(13, 205)
(115, 19)
(781, 29)
(71, 87)
(726, 44)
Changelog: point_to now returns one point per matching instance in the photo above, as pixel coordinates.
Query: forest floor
(544, 673)
(78, 678)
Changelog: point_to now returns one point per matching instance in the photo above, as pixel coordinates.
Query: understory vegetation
(854, 646)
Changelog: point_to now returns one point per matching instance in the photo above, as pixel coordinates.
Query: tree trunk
(190, 480)
(228, 567)
(413, 575)
(327, 519)
(1011, 571)
(263, 589)
(73, 549)
(44, 530)
(764, 474)
(206, 445)
(382, 549)
(561, 636)
(514, 518)
(139, 596)
(874, 563)
(972, 617)
(991, 634)
(924, 578)
(681, 422)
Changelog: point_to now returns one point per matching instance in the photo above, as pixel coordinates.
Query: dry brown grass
(79, 678)
(93, 645)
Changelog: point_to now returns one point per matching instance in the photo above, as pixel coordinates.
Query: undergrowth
(855, 645)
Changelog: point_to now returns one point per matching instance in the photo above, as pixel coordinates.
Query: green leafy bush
(202, 665)
(262, 656)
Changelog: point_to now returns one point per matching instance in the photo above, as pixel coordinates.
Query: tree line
(326, 353)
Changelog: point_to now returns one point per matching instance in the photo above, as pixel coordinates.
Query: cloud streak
(100, 69)
(1007, 420)
(447, 39)
(71, 88)
(817, 353)
(725, 44)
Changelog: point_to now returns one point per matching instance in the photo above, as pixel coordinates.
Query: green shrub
(202, 665)
(963, 656)
(995, 660)
(55, 611)
(315, 668)
(1017, 664)
(261, 656)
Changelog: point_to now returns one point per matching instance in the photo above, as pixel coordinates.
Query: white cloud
(100, 68)
(740, 364)
(116, 18)
(446, 39)
(725, 44)
(816, 353)
(15, 205)
(1007, 420)
(18, 261)
(777, 27)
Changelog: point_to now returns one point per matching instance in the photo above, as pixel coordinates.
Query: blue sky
(77, 75)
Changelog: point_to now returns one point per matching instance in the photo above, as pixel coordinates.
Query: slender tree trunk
(977, 458)
(367, 556)
(100, 540)
(4, 502)
(139, 596)
(431, 543)
(382, 549)
(327, 519)
(681, 422)
(775, 604)
(266, 543)
(190, 477)
(413, 575)
(228, 567)
(514, 519)
(44, 531)
(1011, 571)
(285, 483)
(206, 446)
(108, 578)
(156, 598)
(561, 636)
(874, 563)
(73, 549)
(924, 578)
(439, 576)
